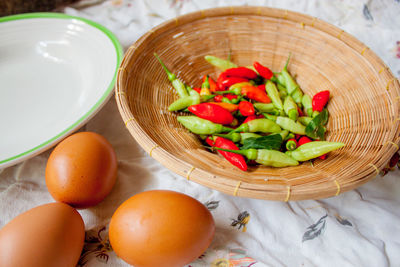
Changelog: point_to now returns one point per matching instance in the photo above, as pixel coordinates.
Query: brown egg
(48, 235)
(161, 228)
(81, 170)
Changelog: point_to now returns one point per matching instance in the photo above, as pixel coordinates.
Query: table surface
(356, 228)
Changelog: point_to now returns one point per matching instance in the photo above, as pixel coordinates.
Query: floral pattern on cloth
(242, 220)
(97, 245)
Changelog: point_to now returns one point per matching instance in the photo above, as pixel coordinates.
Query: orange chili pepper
(212, 83)
(256, 94)
(228, 106)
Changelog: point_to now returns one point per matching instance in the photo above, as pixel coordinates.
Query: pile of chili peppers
(253, 115)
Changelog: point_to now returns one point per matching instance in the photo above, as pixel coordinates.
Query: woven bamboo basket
(364, 108)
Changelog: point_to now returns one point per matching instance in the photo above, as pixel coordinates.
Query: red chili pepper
(319, 100)
(218, 98)
(212, 83)
(224, 82)
(262, 87)
(212, 112)
(209, 141)
(197, 89)
(304, 140)
(250, 118)
(255, 93)
(235, 159)
(231, 96)
(297, 136)
(241, 72)
(246, 108)
(253, 117)
(263, 71)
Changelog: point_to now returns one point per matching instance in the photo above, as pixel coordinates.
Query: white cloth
(357, 228)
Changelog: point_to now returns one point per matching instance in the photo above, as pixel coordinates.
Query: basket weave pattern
(364, 109)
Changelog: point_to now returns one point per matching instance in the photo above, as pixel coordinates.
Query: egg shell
(81, 171)
(48, 235)
(161, 228)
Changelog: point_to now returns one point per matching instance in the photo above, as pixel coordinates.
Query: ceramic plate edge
(103, 99)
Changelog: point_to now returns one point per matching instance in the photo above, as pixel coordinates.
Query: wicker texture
(364, 109)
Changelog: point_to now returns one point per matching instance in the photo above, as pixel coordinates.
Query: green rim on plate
(119, 53)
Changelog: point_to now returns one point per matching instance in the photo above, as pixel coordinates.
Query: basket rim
(231, 186)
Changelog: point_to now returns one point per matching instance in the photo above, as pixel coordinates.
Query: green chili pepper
(220, 63)
(307, 103)
(233, 136)
(226, 100)
(291, 125)
(313, 150)
(266, 157)
(176, 83)
(273, 94)
(270, 117)
(280, 79)
(238, 85)
(292, 87)
(289, 136)
(291, 144)
(191, 91)
(275, 158)
(206, 83)
(180, 88)
(304, 120)
(282, 91)
(232, 90)
(290, 108)
(204, 98)
(203, 136)
(284, 134)
(287, 79)
(297, 96)
(244, 136)
(235, 100)
(201, 126)
(262, 107)
(259, 125)
(184, 102)
(277, 112)
(187, 101)
(281, 88)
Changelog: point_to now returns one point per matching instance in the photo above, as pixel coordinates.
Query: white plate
(56, 72)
